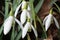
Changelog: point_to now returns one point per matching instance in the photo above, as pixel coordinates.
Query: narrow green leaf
(44, 31)
(1, 29)
(52, 1)
(15, 4)
(12, 35)
(57, 7)
(38, 6)
(28, 37)
(1, 36)
(19, 35)
(31, 1)
(16, 32)
(19, 1)
(6, 9)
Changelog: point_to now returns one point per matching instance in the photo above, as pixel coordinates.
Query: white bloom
(56, 23)
(19, 23)
(8, 24)
(29, 9)
(17, 9)
(23, 16)
(25, 12)
(47, 21)
(25, 29)
(29, 16)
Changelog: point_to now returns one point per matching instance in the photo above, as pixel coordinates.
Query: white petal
(56, 22)
(8, 24)
(35, 32)
(28, 15)
(45, 20)
(29, 9)
(23, 16)
(17, 9)
(19, 23)
(23, 4)
(25, 29)
(48, 22)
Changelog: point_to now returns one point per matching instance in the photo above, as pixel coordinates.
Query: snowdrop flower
(23, 16)
(25, 29)
(29, 9)
(25, 11)
(47, 21)
(22, 5)
(8, 23)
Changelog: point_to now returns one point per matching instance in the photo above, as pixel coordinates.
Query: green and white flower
(22, 5)
(26, 14)
(25, 11)
(9, 21)
(8, 24)
(47, 21)
(27, 26)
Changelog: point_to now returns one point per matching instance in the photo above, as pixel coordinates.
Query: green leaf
(38, 6)
(19, 1)
(1, 36)
(44, 30)
(12, 35)
(16, 32)
(1, 29)
(19, 35)
(15, 4)
(6, 9)
(52, 1)
(57, 7)
(31, 1)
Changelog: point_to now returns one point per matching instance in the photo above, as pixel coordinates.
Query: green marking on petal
(25, 6)
(28, 19)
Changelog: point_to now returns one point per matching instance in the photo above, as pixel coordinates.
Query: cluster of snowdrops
(26, 18)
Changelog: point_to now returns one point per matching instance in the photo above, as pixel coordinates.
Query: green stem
(51, 11)
(33, 13)
(28, 37)
(42, 26)
(12, 35)
(57, 6)
(13, 31)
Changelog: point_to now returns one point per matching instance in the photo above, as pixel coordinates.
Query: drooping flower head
(25, 15)
(25, 11)
(48, 19)
(27, 26)
(8, 23)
